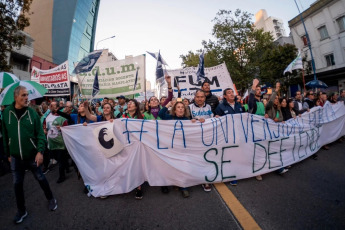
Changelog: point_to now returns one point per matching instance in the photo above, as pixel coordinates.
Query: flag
(95, 87)
(155, 55)
(295, 64)
(176, 82)
(159, 68)
(201, 69)
(246, 94)
(136, 80)
(87, 63)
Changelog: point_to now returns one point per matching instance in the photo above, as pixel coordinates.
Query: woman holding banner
(178, 112)
(133, 111)
(153, 109)
(273, 111)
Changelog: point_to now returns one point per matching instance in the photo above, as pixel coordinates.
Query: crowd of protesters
(54, 115)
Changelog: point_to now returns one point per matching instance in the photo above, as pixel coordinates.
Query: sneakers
(52, 204)
(206, 187)
(165, 189)
(45, 171)
(233, 183)
(185, 193)
(19, 217)
(282, 171)
(138, 194)
(259, 178)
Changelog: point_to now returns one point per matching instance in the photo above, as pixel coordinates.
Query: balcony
(24, 50)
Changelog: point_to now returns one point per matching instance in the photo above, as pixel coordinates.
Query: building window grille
(330, 59)
(323, 32)
(305, 40)
(341, 24)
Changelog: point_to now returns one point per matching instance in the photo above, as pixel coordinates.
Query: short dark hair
(310, 92)
(224, 91)
(202, 85)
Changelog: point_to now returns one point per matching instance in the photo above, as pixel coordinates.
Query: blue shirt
(83, 119)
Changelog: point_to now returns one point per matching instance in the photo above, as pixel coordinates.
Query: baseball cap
(121, 97)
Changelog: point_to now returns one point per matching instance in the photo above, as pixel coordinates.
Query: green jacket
(23, 138)
(149, 116)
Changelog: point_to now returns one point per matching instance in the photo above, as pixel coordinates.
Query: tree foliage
(14, 18)
(247, 52)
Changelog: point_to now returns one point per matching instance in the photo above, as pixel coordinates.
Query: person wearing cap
(309, 100)
(121, 107)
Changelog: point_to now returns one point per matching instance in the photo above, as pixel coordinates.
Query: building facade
(269, 24)
(325, 24)
(62, 30)
(20, 58)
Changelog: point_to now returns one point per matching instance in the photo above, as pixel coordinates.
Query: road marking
(240, 213)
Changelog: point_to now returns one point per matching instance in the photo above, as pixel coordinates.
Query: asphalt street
(310, 196)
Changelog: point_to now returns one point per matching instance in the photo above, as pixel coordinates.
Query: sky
(173, 27)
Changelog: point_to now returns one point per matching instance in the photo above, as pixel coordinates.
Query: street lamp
(104, 40)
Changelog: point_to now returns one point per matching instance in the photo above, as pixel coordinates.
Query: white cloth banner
(115, 78)
(56, 80)
(184, 154)
(218, 76)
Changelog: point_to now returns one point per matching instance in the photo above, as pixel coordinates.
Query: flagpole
(145, 75)
(308, 40)
(303, 79)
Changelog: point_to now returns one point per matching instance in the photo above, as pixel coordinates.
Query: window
(330, 60)
(305, 40)
(341, 23)
(323, 32)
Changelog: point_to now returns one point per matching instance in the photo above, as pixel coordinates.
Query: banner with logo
(56, 80)
(218, 77)
(117, 157)
(115, 78)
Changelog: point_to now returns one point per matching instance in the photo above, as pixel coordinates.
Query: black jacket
(212, 100)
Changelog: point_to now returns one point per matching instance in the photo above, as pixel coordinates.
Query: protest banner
(184, 154)
(218, 77)
(115, 77)
(56, 80)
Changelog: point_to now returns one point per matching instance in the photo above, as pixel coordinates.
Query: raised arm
(170, 91)
(87, 112)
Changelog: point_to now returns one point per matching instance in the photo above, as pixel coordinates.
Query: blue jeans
(18, 168)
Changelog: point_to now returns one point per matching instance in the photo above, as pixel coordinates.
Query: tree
(274, 61)
(14, 18)
(192, 59)
(248, 52)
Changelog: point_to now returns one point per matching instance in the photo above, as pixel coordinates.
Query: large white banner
(117, 157)
(115, 77)
(56, 80)
(218, 76)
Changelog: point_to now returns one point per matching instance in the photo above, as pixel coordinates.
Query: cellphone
(179, 99)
